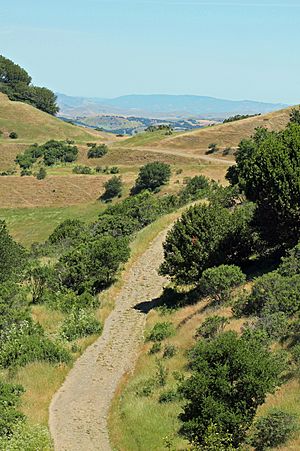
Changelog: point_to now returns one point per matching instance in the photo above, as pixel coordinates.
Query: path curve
(79, 410)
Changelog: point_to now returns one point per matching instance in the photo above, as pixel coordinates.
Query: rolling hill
(162, 106)
(195, 143)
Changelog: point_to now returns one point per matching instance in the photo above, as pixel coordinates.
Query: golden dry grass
(196, 143)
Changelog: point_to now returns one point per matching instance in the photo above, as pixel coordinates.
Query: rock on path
(79, 410)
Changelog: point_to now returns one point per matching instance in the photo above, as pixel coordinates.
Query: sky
(233, 49)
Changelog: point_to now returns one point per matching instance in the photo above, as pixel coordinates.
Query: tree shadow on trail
(169, 300)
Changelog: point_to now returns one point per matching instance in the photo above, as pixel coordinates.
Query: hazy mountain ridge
(162, 106)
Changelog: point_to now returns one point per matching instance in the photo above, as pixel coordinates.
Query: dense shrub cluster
(152, 176)
(97, 151)
(50, 153)
(80, 323)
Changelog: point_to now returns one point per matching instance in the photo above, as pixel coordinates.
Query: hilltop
(195, 143)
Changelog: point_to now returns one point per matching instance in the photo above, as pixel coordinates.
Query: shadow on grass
(170, 300)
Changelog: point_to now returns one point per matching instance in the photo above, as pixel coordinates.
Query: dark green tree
(152, 176)
(113, 188)
(230, 378)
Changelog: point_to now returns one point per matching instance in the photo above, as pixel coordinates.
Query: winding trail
(79, 410)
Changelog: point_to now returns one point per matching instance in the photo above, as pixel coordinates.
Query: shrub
(152, 176)
(80, 323)
(212, 326)
(116, 225)
(13, 135)
(27, 437)
(82, 170)
(161, 373)
(25, 343)
(273, 293)
(113, 188)
(145, 388)
(169, 351)
(160, 331)
(273, 430)
(9, 415)
(156, 347)
(290, 265)
(41, 174)
(275, 324)
(67, 232)
(168, 396)
(13, 255)
(25, 172)
(97, 151)
(195, 188)
(212, 148)
(114, 170)
(226, 385)
(218, 282)
(69, 301)
(206, 236)
(93, 265)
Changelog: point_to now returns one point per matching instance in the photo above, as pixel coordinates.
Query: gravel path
(79, 410)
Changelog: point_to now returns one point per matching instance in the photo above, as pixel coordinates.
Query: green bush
(218, 282)
(97, 151)
(82, 170)
(145, 388)
(152, 176)
(67, 232)
(9, 415)
(69, 301)
(169, 351)
(51, 152)
(41, 174)
(160, 331)
(27, 437)
(206, 236)
(116, 225)
(79, 323)
(196, 187)
(273, 430)
(168, 396)
(156, 347)
(113, 188)
(290, 265)
(13, 135)
(26, 342)
(13, 256)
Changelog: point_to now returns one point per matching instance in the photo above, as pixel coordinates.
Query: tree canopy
(15, 82)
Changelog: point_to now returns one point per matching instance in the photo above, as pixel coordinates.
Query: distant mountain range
(162, 106)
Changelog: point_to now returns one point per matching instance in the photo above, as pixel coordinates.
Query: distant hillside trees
(239, 117)
(16, 84)
(152, 176)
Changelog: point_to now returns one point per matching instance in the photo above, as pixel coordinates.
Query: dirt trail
(79, 410)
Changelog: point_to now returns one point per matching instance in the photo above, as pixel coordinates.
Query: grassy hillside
(196, 143)
(33, 125)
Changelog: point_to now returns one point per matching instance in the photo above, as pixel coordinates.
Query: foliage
(9, 415)
(161, 373)
(160, 331)
(26, 342)
(273, 293)
(212, 326)
(212, 148)
(239, 117)
(16, 84)
(67, 232)
(169, 351)
(213, 440)
(218, 282)
(206, 236)
(51, 152)
(156, 347)
(116, 225)
(152, 176)
(13, 135)
(113, 188)
(290, 264)
(168, 396)
(69, 301)
(82, 170)
(97, 151)
(295, 116)
(268, 171)
(13, 255)
(41, 174)
(13, 305)
(93, 265)
(41, 278)
(80, 323)
(273, 430)
(195, 188)
(230, 378)
(26, 437)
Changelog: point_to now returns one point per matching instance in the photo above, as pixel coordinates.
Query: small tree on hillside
(212, 148)
(152, 176)
(218, 282)
(41, 174)
(113, 188)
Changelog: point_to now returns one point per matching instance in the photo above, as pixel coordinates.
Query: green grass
(30, 225)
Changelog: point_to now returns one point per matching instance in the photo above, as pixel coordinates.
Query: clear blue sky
(237, 49)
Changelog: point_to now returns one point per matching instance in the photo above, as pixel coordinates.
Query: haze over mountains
(162, 106)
